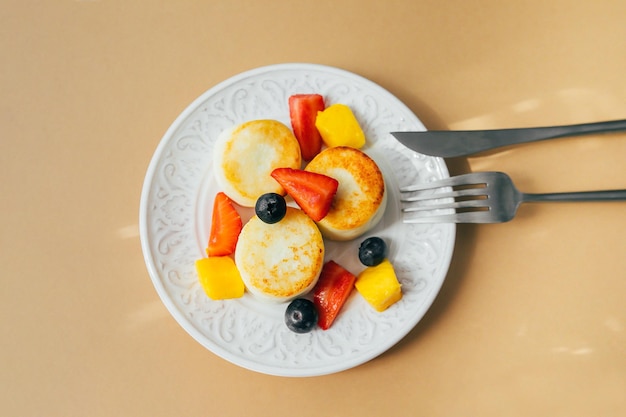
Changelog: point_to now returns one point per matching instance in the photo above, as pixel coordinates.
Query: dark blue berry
(270, 208)
(372, 251)
(301, 315)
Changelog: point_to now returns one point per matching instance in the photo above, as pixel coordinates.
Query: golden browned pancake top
(246, 155)
(281, 260)
(361, 186)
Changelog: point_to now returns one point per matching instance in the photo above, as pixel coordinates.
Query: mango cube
(379, 285)
(220, 277)
(338, 127)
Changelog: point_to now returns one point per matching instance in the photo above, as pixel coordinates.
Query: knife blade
(455, 143)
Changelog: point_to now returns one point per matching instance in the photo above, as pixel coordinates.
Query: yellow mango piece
(379, 285)
(220, 277)
(338, 127)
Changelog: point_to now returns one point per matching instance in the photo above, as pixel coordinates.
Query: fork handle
(605, 195)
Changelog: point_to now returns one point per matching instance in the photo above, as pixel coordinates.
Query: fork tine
(452, 205)
(465, 198)
(457, 193)
(467, 217)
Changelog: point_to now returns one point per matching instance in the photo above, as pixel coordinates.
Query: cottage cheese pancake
(280, 261)
(361, 197)
(245, 155)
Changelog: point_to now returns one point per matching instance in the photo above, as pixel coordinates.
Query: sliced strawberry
(225, 227)
(331, 292)
(313, 192)
(303, 110)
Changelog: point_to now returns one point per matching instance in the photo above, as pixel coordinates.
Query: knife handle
(522, 135)
(451, 143)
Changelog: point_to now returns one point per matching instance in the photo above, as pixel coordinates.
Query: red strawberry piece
(313, 192)
(303, 110)
(331, 292)
(225, 227)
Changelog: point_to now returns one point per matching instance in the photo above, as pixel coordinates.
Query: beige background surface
(531, 319)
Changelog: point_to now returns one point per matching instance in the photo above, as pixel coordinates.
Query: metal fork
(481, 197)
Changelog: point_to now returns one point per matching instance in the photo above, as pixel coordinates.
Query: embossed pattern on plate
(175, 217)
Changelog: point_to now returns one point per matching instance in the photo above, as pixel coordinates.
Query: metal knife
(453, 143)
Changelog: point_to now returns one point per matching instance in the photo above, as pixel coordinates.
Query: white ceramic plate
(175, 217)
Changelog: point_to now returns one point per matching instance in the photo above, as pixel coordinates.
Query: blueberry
(372, 251)
(301, 315)
(270, 208)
